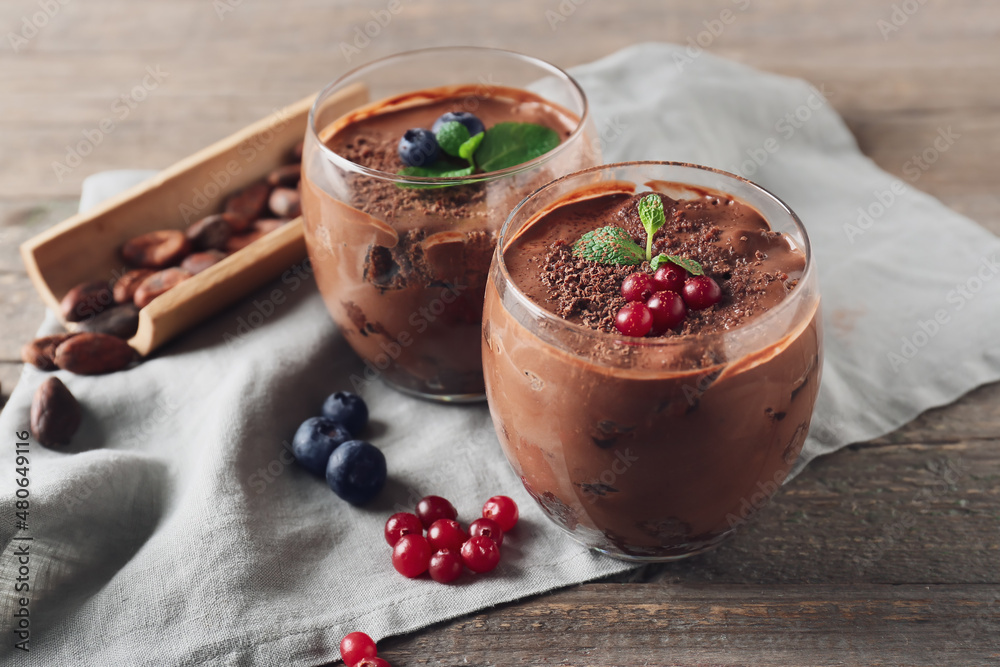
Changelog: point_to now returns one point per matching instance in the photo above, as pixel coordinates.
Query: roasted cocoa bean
(248, 204)
(127, 284)
(41, 352)
(93, 354)
(86, 300)
(258, 229)
(199, 261)
(156, 250)
(298, 150)
(286, 176)
(285, 202)
(158, 283)
(121, 321)
(55, 414)
(211, 233)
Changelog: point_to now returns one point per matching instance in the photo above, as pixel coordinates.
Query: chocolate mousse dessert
(402, 208)
(652, 361)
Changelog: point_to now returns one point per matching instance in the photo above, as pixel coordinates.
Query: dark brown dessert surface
(754, 266)
(370, 136)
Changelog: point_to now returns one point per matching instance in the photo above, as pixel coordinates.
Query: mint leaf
(468, 149)
(451, 136)
(509, 144)
(608, 245)
(652, 216)
(689, 265)
(439, 169)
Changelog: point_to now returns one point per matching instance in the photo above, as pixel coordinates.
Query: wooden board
(86, 246)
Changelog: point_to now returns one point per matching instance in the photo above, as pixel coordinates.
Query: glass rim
(756, 323)
(346, 164)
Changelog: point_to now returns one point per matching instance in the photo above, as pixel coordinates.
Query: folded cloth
(177, 530)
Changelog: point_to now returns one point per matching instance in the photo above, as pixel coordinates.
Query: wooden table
(887, 552)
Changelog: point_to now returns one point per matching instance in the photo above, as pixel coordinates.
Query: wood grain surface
(885, 553)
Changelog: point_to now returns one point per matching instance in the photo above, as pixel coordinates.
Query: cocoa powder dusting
(754, 266)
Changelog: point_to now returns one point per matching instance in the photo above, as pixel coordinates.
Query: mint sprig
(608, 245)
(652, 216)
(503, 145)
(689, 265)
(510, 144)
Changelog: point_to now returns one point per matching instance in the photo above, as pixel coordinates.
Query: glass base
(438, 398)
(617, 555)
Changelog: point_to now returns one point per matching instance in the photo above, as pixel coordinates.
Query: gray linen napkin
(177, 531)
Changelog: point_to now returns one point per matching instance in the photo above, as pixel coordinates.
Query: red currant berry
(487, 527)
(446, 534)
(411, 555)
(503, 510)
(670, 278)
(700, 292)
(634, 319)
(668, 311)
(480, 554)
(402, 523)
(355, 647)
(637, 287)
(372, 662)
(446, 566)
(432, 508)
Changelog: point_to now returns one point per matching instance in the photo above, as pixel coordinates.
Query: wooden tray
(85, 247)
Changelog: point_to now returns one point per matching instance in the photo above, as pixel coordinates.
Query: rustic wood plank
(892, 514)
(691, 624)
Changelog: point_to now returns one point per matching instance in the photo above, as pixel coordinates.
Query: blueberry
(348, 409)
(471, 122)
(315, 440)
(356, 471)
(418, 148)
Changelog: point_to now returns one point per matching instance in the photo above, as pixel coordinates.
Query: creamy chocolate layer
(755, 267)
(653, 448)
(402, 270)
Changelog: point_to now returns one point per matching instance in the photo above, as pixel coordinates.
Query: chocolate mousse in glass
(401, 257)
(656, 447)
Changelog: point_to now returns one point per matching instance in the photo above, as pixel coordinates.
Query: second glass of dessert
(652, 349)
(403, 200)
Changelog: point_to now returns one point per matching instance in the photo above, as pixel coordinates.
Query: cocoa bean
(126, 286)
(86, 300)
(55, 414)
(93, 354)
(158, 283)
(298, 150)
(199, 261)
(121, 321)
(248, 204)
(211, 233)
(40, 352)
(259, 228)
(286, 176)
(156, 250)
(285, 202)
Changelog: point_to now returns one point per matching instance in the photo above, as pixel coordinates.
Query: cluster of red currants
(660, 302)
(358, 650)
(447, 549)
